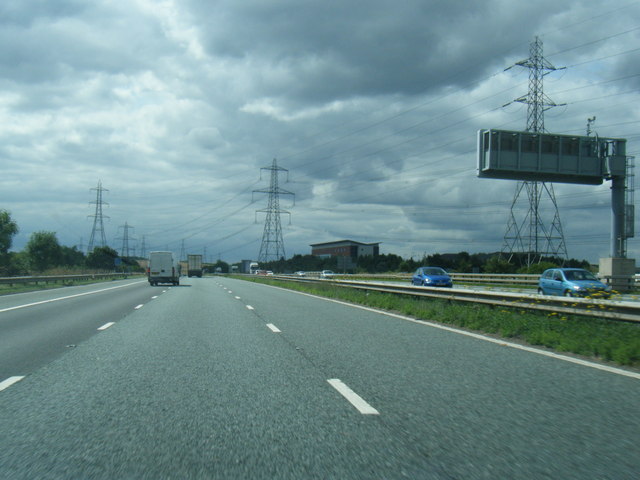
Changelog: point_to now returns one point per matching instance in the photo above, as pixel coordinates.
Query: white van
(163, 269)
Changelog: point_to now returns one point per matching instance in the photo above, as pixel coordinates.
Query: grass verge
(600, 339)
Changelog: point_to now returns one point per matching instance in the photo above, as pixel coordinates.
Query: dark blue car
(572, 282)
(431, 277)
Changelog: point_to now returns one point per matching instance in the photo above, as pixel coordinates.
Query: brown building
(345, 248)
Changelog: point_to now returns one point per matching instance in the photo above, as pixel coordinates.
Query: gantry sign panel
(547, 157)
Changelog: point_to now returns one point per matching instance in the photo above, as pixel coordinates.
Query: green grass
(601, 339)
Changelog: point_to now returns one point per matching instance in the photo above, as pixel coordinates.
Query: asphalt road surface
(37, 327)
(228, 379)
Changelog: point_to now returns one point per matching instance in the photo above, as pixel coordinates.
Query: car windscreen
(579, 275)
(434, 271)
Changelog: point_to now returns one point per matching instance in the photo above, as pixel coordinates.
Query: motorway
(221, 378)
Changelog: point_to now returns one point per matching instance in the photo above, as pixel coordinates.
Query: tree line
(462, 262)
(44, 252)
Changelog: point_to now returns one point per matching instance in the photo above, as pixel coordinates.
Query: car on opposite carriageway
(431, 277)
(572, 282)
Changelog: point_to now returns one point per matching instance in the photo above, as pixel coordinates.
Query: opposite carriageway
(599, 308)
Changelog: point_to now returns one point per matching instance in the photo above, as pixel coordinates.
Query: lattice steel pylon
(183, 254)
(532, 236)
(143, 247)
(125, 251)
(98, 222)
(272, 247)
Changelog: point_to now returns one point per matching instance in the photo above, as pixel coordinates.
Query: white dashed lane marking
(273, 328)
(106, 325)
(353, 398)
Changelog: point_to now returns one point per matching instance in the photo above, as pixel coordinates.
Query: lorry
(194, 265)
(163, 269)
(248, 266)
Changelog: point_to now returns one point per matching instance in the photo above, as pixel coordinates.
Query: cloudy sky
(372, 107)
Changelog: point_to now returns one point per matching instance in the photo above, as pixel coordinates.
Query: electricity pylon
(98, 223)
(272, 247)
(531, 236)
(183, 255)
(124, 251)
(143, 248)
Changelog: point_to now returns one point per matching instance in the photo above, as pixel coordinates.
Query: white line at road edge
(106, 325)
(503, 343)
(355, 399)
(273, 328)
(66, 298)
(9, 381)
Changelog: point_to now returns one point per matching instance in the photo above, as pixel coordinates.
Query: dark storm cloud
(333, 50)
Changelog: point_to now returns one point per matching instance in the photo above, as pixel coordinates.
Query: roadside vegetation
(462, 262)
(600, 339)
(44, 255)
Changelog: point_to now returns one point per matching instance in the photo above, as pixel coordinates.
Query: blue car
(431, 277)
(572, 282)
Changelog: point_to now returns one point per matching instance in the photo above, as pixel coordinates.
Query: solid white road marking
(503, 343)
(250, 307)
(64, 298)
(106, 325)
(10, 381)
(273, 328)
(353, 398)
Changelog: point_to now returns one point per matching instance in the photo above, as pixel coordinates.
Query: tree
(438, 260)
(499, 265)
(223, 266)
(8, 228)
(463, 262)
(71, 256)
(17, 263)
(43, 250)
(102, 258)
(537, 268)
